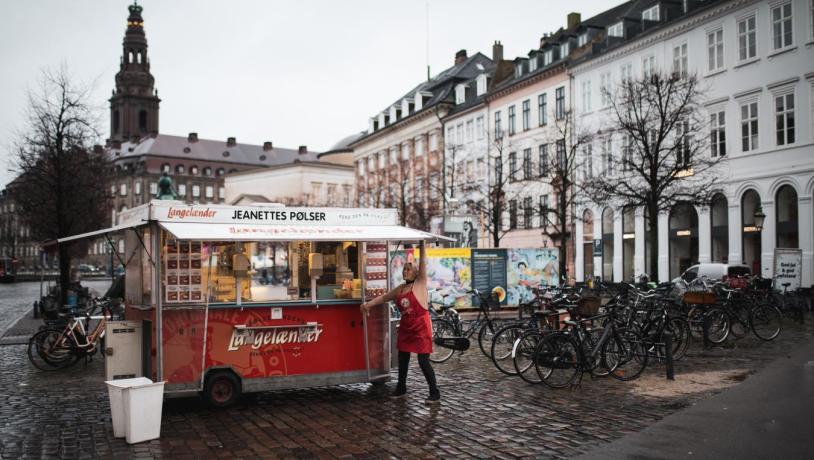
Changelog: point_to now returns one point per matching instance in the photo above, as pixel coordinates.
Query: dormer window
(460, 94)
(518, 69)
(651, 14)
(533, 64)
(616, 30)
(481, 84)
(564, 50)
(548, 56)
(582, 39)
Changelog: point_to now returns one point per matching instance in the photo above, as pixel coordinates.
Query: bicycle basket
(589, 305)
(698, 297)
(763, 284)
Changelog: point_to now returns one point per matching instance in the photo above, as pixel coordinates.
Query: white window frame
(548, 57)
(785, 112)
(196, 191)
(469, 130)
(153, 188)
(783, 21)
(715, 49)
(582, 39)
(616, 30)
(479, 127)
(747, 38)
(137, 188)
(750, 125)
(626, 72)
(459, 134)
(605, 82)
(123, 189)
(681, 58)
(717, 130)
(564, 49)
(586, 95)
(532, 64)
(648, 65)
(651, 14)
(481, 84)
(209, 192)
(433, 142)
(182, 189)
(525, 114)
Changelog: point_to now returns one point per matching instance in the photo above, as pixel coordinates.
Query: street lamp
(760, 216)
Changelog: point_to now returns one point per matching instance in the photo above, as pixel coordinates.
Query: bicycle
(54, 349)
(763, 319)
(449, 325)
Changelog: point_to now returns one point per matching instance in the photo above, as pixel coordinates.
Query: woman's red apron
(415, 327)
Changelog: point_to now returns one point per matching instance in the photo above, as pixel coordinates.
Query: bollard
(36, 310)
(668, 354)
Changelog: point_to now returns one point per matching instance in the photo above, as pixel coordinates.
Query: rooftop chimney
(497, 52)
(231, 141)
(193, 137)
(303, 150)
(460, 57)
(267, 146)
(574, 19)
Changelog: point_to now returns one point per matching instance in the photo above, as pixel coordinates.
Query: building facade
(301, 183)
(754, 61)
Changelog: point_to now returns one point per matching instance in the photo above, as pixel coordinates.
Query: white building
(303, 183)
(755, 60)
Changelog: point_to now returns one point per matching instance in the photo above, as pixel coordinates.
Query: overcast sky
(293, 72)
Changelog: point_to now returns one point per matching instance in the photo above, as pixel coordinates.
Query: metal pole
(668, 353)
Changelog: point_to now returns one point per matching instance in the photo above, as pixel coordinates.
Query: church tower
(134, 103)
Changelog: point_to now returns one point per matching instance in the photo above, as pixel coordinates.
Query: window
(588, 162)
(498, 127)
(361, 167)
(559, 108)
(543, 153)
(196, 191)
(749, 130)
(648, 66)
(784, 116)
(527, 164)
(548, 57)
(561, 157)
(137, 187)
(518, 69)
(605, 88)
(394, 156)
(512, 166)
(586, 96)
(715, 50)
(479, 126)
(433, 142)
(528, 212)
(113, 190)
(469, 127)
(179, 169)
(781, 26)
(419, 149)
(747, 39)
(582, 39)
(627, 153)
(222, 171)
(542, 109)
(513, 214)
(533, 64)
(683, 154)
(182, 189)
(460, 94)
(526, 114)
(193, 170)
(651, 14)
(123, 189)
(680, 59)
(626, 72)
(481, 84)
(459, 133)
(717, 123)
(153, 188)
(165, 168)
(564, 48)
(616, 30)
(511, 120)
(210, 192)
(607, 155)
(543, 210)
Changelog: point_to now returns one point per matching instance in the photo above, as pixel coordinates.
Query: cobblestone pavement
(483, 413)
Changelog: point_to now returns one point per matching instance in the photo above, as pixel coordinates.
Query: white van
(713, 272)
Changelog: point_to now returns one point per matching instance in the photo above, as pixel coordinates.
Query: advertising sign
(488, 269)
(464, 229)
(788, 267)
(597, 248)
(529, 269)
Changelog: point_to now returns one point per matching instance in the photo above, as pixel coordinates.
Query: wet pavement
(483, 413)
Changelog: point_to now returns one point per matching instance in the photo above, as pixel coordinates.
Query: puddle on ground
(689, 383)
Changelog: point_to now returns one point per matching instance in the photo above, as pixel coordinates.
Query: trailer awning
(115, 228)
(260, 232)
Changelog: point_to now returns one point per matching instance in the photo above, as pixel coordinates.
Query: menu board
(488, 269)
(182, 271)
(375, 270)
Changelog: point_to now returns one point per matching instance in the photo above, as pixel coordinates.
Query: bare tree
(665, 155)
(62, 187)
(560, 169)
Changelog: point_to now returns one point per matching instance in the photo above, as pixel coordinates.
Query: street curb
(12, 326)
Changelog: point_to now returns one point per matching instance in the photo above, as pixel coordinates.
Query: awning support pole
(114, 251)
(146, 251)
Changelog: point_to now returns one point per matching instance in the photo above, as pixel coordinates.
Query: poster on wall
(788, 265)
(182, 271)
(529, 269)
(448, 272)
(488, 269)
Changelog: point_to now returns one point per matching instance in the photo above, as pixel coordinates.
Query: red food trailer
(238, 299)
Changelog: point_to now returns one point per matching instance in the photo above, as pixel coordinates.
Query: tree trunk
(653, 219)
(64, 272)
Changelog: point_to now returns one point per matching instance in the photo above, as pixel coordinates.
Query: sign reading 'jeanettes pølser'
(181, 212)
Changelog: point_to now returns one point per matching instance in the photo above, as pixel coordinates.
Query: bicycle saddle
(786, 284)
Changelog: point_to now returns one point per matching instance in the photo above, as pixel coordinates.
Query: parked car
(87, 269)
(713, 272)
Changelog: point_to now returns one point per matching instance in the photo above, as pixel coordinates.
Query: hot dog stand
(250, 298)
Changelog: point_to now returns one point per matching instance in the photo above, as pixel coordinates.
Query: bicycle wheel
(49, 350)
(766, 322)
(441, 329)
(557, 360)
(485, 337)
(716, 324)
(626, 356)
(696, 319)
(680, 330)
(523, 356)
(501, 349)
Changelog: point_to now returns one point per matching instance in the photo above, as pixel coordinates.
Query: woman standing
(415, 328)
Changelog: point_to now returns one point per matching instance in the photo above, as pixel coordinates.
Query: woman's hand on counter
(364, 308)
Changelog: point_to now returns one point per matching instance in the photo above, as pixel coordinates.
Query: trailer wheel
(222, 389)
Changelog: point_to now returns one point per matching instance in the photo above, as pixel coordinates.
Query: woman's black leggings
(426, 369)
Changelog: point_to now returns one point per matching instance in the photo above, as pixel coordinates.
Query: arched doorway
(587, 244)
(719, 222)
(750, 204)
(786, 224)
(683, 238)
(607, 244)
(628, 242)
